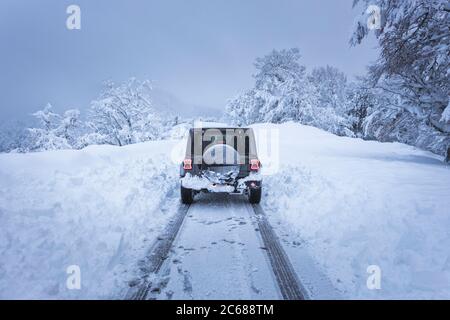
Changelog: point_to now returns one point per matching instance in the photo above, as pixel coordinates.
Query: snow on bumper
(202, 183)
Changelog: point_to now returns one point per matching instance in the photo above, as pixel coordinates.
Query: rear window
(240, 139)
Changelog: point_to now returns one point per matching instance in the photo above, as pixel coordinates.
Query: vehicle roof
(195, 133)
(206, 128)
(214, 125)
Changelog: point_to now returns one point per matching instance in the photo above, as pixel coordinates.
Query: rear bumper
(241, 185)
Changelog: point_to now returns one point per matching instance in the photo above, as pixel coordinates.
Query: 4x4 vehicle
(221, 159)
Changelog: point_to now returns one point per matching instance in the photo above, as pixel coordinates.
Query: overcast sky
(202, 51)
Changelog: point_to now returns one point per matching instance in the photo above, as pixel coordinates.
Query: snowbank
(98, 208)
(357, 203)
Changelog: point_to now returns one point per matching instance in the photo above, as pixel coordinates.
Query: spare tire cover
(222, 163)
(221, 154)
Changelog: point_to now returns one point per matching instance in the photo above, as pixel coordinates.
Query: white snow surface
(98, 208)
(446, 114)
(345, 202)
(356, 203)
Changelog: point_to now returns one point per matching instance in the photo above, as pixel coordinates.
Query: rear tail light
(254, 164)
(187, 164)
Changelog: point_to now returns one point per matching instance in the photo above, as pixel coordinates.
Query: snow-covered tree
(55, 131)
(414, 41)
(242, 109)
(361, 100)
(276, 94)
(47, 118)
(331, 87)
(123, 114)
(410, 77)
(380, 115)
(284, 92)
(279, 85)
(70, 125)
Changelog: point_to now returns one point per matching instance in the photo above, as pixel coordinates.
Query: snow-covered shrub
(56, 131)
(326, 119)
(92, 138)
(14, 137)
(396, 124)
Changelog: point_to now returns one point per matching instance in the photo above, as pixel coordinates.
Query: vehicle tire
(187, 195)
(254, 195)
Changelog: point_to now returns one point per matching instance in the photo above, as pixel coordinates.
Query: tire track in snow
(216, 255)
(158, 253)
(285, 276)
(287, 280)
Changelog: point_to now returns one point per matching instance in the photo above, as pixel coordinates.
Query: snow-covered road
(222, 247)
(217, 255)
